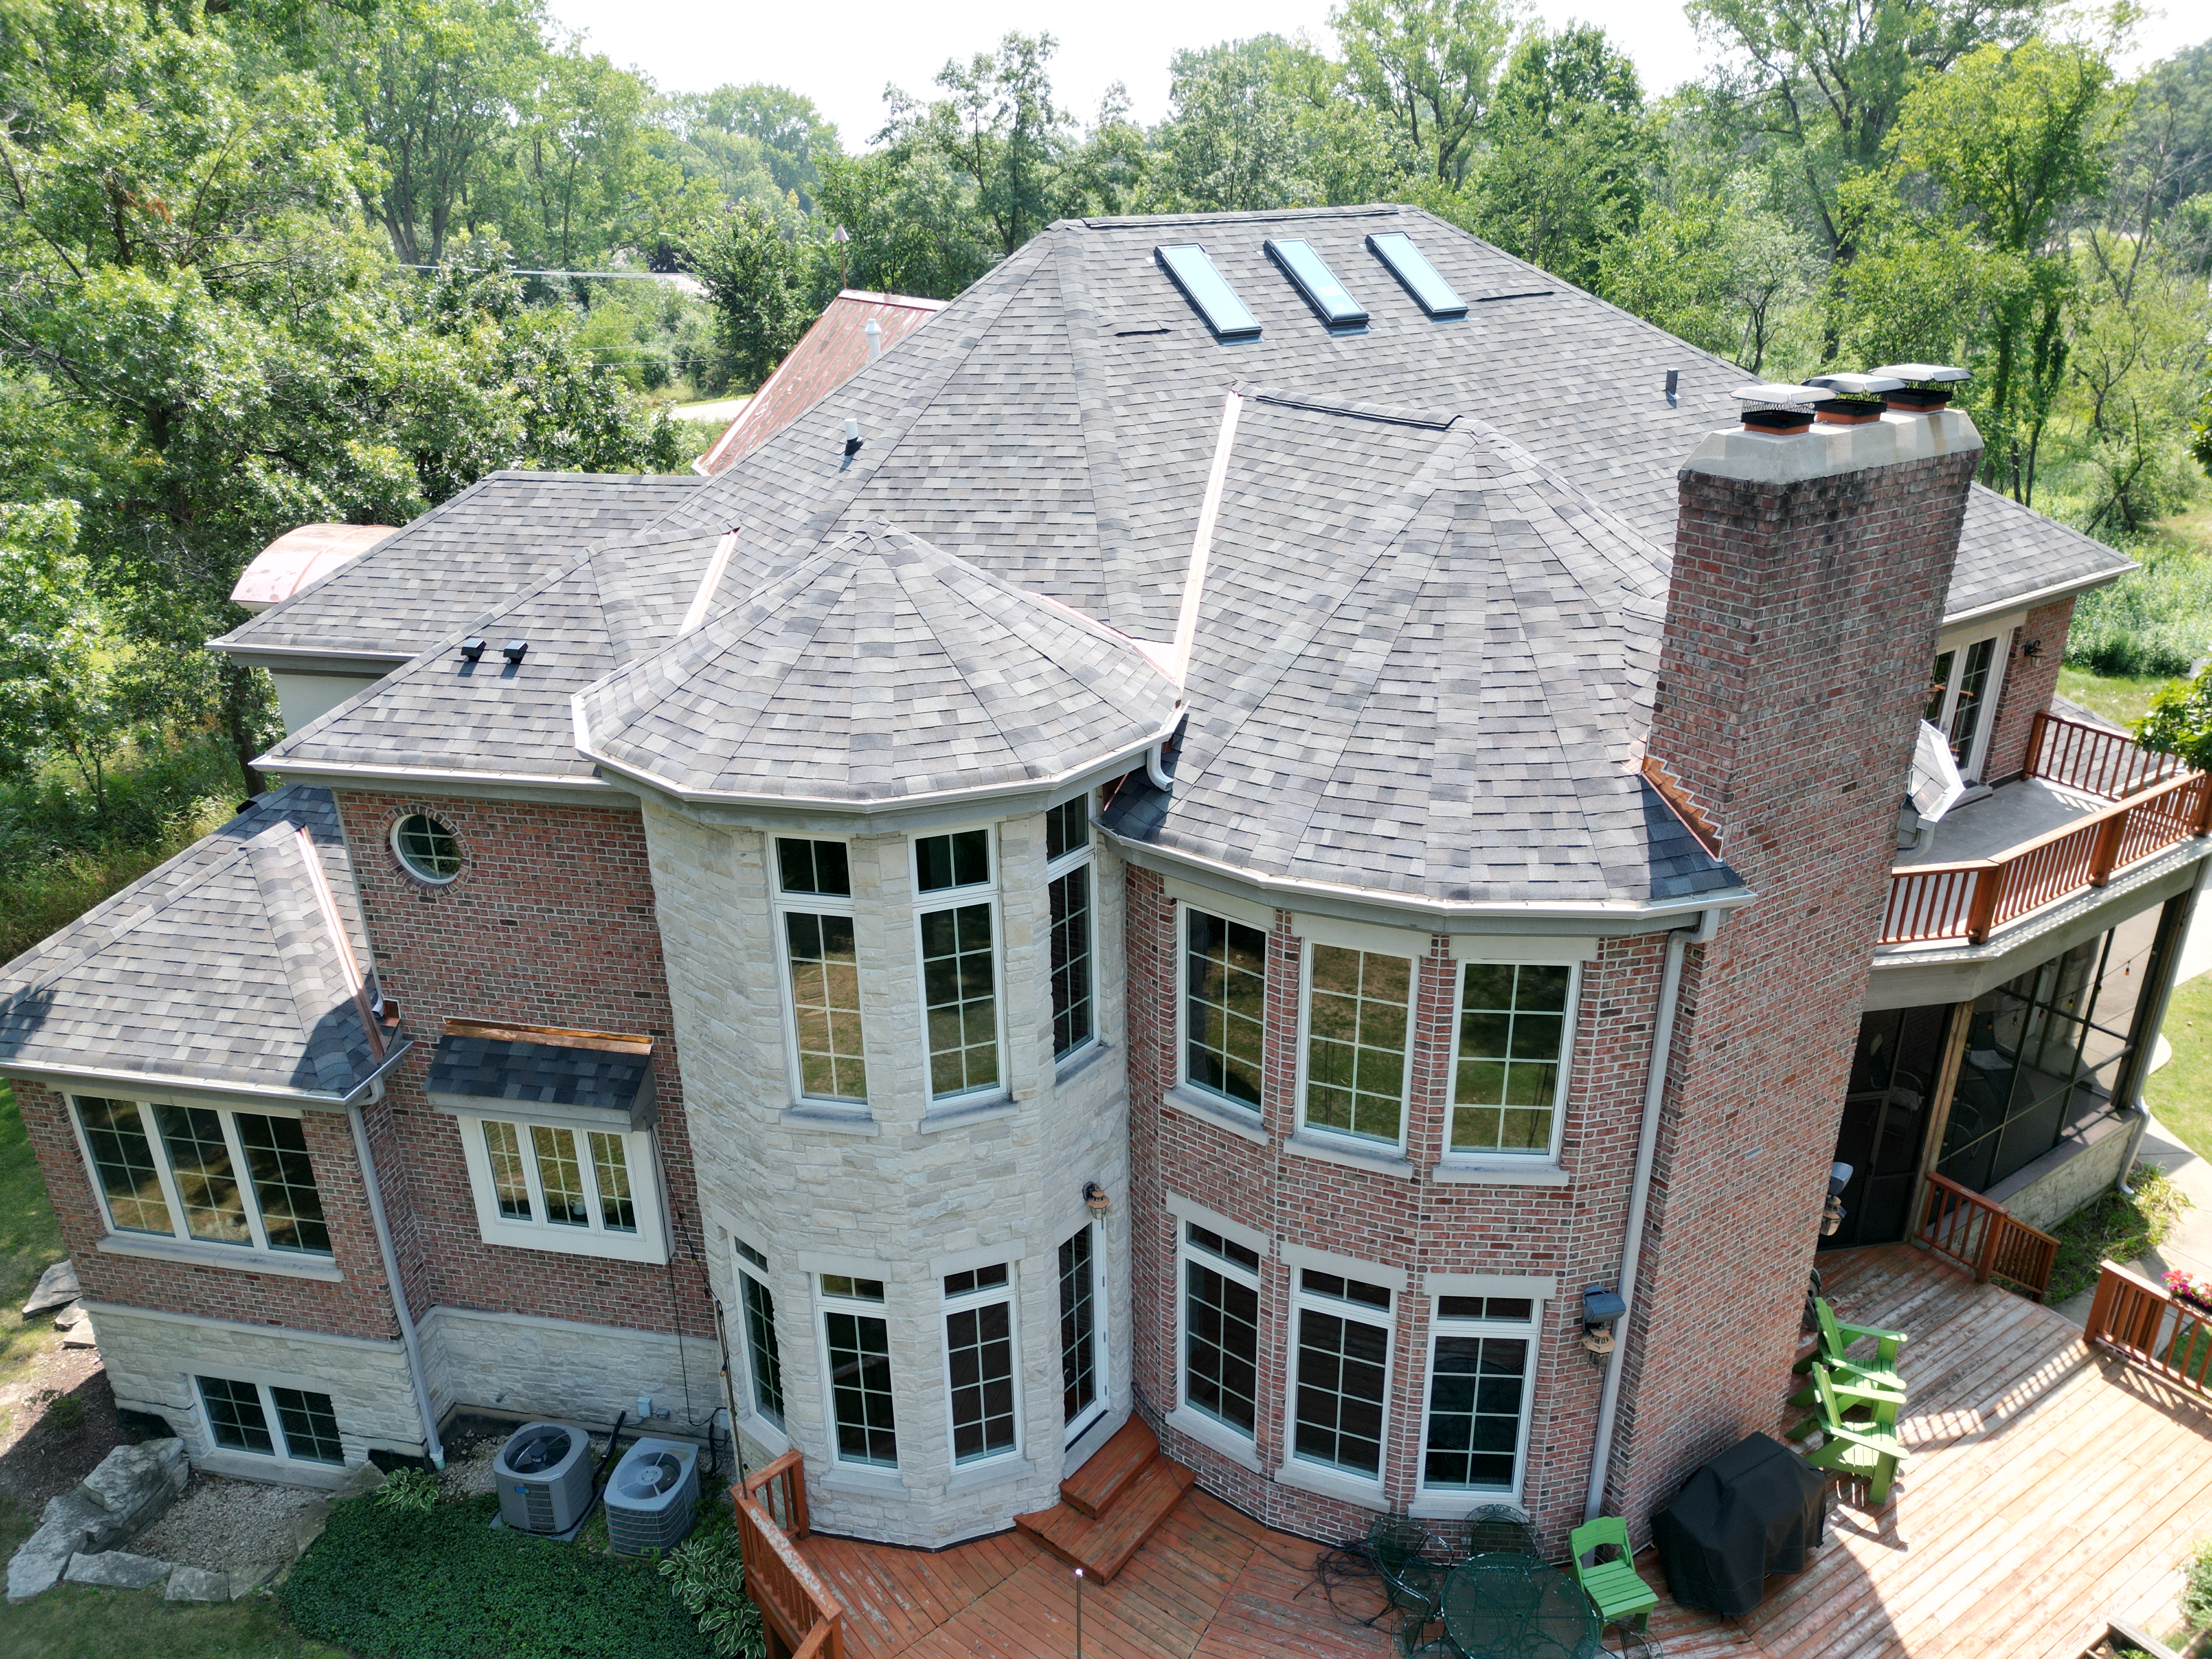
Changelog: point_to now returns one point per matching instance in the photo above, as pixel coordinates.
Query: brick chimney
(1811, 562)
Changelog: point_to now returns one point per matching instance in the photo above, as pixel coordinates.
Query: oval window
(427, 848)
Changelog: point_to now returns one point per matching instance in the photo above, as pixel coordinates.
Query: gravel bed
(220, 1524)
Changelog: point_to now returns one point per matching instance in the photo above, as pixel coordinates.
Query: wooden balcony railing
(1968, 1230)
(2148, 1326)
(804, 1620)
(2158, 803)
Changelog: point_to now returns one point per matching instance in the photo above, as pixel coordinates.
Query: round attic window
(427, 848)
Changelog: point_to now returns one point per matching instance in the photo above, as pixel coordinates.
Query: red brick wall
(550, 922)
(357, 1306)
(2029, 682)
(1419, 1225)
(1790, 686)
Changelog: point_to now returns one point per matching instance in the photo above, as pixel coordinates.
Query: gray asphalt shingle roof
(507, 1068)
(217, 969)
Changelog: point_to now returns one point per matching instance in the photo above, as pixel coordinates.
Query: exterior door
(1885, 1122)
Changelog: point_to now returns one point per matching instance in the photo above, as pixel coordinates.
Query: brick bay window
(1067, 875)
(1510, 1060)
(290, 1426)
(1220, 1369)
(957, 923)
(1224, 1001)
(204, 1181)
(763, 1356)
(560, 1185)
(979, 1363)
(1474, 1429)
(1340, 1378)
(1357, 1019)
(856, 1348)
(821, 970)
(1082, 1330)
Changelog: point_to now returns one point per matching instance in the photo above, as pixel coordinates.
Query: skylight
(1318, 284)
(1207, 288)
(1395, 249)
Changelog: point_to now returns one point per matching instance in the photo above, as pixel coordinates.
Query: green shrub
(2157, 620)
(64, 1412)
(408, 1489)
(2114, 1226)
(391, 1583)
(708, 1574)
(2196, 1593)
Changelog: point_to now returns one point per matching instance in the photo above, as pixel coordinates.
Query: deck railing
(2156, 803)
(804, 1620)
(2150, 1325)
(1967, 1229)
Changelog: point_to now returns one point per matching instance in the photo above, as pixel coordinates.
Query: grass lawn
(2120, 698)
(30, 1239)
(2179, 1093)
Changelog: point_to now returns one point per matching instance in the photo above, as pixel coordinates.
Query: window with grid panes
(554, 1179)
(1513, 1034)
(271, 1422)
(1357, 1018)
(1220, 1328)
(959, 961)
(1079, 1327)
(1342, 1372)
(858, 1341)
(206, 1174)
(1224, 1004)
(1479, 1352)
(979, 1361)
(763, 1356)
(822, 963)
(1067, 874)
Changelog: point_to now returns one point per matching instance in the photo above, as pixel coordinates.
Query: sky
(843, 57)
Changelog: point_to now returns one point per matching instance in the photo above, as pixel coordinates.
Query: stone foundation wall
(531, 1366)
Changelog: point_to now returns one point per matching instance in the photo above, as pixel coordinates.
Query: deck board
(2049, 1488)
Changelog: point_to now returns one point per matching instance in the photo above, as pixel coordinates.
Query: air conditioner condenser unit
(654, 1496)
(545, 1474)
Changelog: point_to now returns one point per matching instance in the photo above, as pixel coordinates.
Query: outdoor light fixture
(515, 650)
(1602, 1309)
(1832, 1212)
(1095, 1196)
(473, 649)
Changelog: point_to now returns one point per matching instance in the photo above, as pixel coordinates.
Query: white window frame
(758, 1423)
(1054, 870)
(1452, 1501)
(1413, 961)
(1959, 645)
(825, 1305)
(949, 1305)
(1182, 1077)
(648, 1243)
(1186, 1252)
(1080, 1425)
(985, 892)
(282, 1454)
(1303, 1300)
(1572, 1014)
(260, 1250)
(807, 904)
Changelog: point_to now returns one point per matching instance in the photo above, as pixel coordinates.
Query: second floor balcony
(2090, 806)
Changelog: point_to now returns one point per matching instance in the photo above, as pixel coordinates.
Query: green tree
(1432, 66)
(1720, 269)
(2180, 723)
(760, 281)
(60, 666)
(1232, 142)
(793, 139)
(997, 129)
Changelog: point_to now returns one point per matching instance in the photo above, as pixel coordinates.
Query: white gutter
(37, 1070)
(1639, 1199)
(431, 1445)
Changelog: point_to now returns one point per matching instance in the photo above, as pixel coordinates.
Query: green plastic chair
(1836, 1339)
(1620, 1595)
(1866, 1451)
(1850, 1392)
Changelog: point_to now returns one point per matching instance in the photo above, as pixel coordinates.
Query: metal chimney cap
(1857, 386)
(1925, 374)
(1768, 394)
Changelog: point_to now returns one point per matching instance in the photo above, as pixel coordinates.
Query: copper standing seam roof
(832, 351)
(300, 557)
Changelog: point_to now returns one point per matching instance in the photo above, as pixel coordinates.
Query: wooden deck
(2049, 1488)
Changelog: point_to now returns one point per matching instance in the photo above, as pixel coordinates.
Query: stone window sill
(1328, 1483)
(156, 1249)
(874, 1483)
(993, 1471)
(1328, 1149)
(966, 1112)
(762, 1432)
(279, 1471)
(830, 1120)
(1066, 1070)
(1208, 1109)
(1218, 1435)
(1500, 1172)
(1458, 1505)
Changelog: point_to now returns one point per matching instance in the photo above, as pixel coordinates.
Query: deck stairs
(1110, 1506)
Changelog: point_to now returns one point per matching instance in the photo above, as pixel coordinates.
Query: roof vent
(473, 648)
(515, 650)
(1775, 410)
(1853, 399)
(1926, 385)
(874, 330)
(1673, 386)
(852, 437)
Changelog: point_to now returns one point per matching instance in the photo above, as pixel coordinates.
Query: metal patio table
(1513, 1606)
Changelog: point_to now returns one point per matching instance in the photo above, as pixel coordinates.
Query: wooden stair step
(1092, 1489)
(1103, 1544)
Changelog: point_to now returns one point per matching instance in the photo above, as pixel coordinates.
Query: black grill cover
(1755, 1509)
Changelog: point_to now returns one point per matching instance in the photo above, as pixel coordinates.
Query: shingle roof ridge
(300, 941)
(1128, 221)
(1389, 413)
(1095, 409)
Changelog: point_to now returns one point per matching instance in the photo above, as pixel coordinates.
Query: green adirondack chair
(1620, 1595)
(1836, 1339)
(1868, 1451)
(1852, 1394)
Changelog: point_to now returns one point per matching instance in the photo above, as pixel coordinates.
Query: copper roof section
(833, 351)
(300, 557)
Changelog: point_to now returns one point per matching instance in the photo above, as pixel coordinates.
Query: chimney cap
(1857, 386)
(1925, 374)
(1771, 394)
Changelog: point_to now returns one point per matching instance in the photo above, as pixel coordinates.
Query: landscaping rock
(199, 1585)
(244, 1581)
(117, 1569)
(134, 1484)
(37, 1564)
(307, 1525)
(56, 1286)
(75, 1323)
(366, 1478)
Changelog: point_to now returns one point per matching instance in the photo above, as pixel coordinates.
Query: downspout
(1639, 1197)
(2169, 975)
(431, 1443)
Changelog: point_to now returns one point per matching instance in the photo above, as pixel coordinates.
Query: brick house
(1213, 838)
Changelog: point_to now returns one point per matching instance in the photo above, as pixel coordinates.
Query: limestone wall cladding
(563, 1368)
(894, 1194)
(151, 1359)
(2029, 682)
(1410, 1221)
